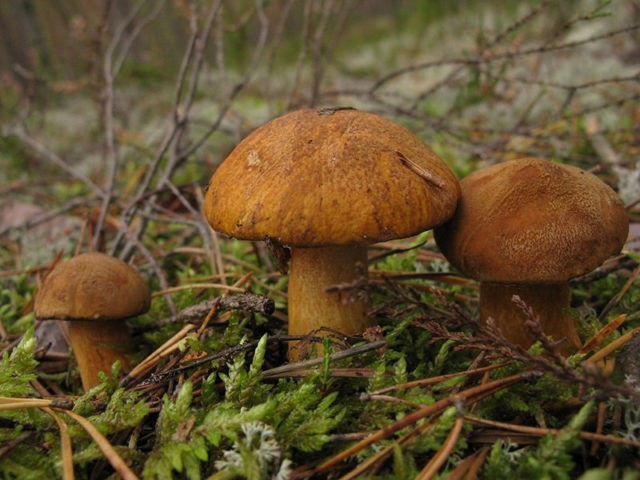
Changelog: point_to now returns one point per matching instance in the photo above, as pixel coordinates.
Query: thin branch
(491, 57)
(52, 157)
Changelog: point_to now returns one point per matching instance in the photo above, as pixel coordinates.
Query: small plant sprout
(327, 183)
(96, 293)
(525, 228)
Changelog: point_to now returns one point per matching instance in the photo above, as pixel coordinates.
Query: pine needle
(65, 446)
(440, 458)
(107, 449)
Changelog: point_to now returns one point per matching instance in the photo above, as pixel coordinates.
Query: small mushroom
(526, 227)
(327, 183)
(96, 293)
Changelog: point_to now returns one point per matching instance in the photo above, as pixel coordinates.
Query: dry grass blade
(440, 458)
(65, 446)
(105, 447)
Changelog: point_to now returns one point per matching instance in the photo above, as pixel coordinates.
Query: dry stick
(45, 216)
(348, 352)
(276, 41)
(208, 239)
(302, 54)
(250, 302)
(112, 159)
(244, 279)
(230, 352)
(216, 252)
(134, 33)
(65, 445)
(107, 449)
(55, 159)
(589, 16)
(194, 49)
(571, 86)
(468, 395)
(496, 40)
(471, 60)
(162, 278)
(238, 87)
(440, 458)
(317, 51)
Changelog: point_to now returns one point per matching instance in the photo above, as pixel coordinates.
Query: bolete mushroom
(526, 227)
(95, 293)
(326, 183)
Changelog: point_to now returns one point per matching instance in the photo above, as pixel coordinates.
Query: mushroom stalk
(96, 345)
(548, 302)
(311, 307)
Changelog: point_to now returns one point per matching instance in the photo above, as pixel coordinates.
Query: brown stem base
(96, 345)
(311, 307)
(548, 301)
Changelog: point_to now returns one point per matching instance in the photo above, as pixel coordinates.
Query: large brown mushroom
(327, 183)
(96, 293)
(526, 227)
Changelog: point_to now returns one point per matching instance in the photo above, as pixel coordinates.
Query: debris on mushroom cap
(310, 178)
(92, 286)
(532, 220)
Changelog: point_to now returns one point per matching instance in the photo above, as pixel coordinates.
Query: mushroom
(526, 227)
(326, 183)
(95, 293)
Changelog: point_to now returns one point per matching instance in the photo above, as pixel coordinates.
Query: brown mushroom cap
(330, 177)
(92, 286)
(533, 221)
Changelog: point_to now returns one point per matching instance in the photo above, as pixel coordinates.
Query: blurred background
(113, 112)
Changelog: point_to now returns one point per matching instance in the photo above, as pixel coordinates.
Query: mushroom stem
(547, 301)
(96, 345)
(311, 307)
